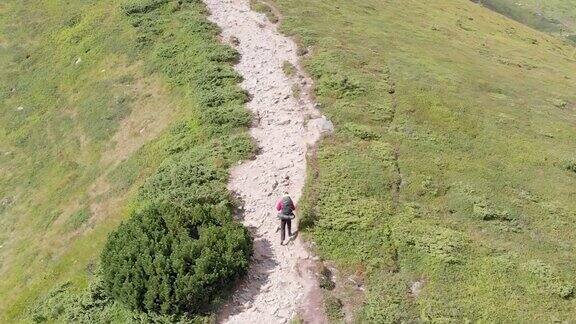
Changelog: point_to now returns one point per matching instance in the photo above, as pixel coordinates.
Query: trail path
(281, 281)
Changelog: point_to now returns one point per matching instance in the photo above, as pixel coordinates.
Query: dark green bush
(65, 305)
(140, 6)
(233, 115)
(325, 280)
(264, 8)
(484, 211)
(222, 54)
(360, 131)
(171, 260)
(339, 86)
(210, 75)
(218, 97)
(186, 182)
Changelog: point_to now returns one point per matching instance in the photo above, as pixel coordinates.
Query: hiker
(286, 207)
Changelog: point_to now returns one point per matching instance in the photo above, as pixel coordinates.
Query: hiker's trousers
(285, 223)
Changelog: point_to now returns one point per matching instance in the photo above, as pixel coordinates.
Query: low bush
(484, 211)
(288, 68)
(333, 307)
(139, 6)
(339, 86)
(570, 166)
(325, 280)
(218, 97)
(212, 75)
(93, 305)
(63, 304)
(438, 243)
(360, 131)
(233, 115)
(172, 260)
(264, 8)
(78, 218)
(186, 182)
(383, 304)
(548, 280)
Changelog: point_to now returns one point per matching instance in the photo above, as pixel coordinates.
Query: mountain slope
(70, 91)
(95, 96)
(557, 16)
(448, 188)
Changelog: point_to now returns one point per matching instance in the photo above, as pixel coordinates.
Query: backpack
(287, 208)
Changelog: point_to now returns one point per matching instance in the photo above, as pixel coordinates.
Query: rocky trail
(281, 283)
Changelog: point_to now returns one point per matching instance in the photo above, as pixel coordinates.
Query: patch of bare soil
(150, 115)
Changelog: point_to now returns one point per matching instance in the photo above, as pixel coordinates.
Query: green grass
(83, 72)
(288, 68)
(451, 159)
(52, 146)
(553, 16)
(262, 7)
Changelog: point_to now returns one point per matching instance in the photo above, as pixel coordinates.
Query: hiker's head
(285, 193)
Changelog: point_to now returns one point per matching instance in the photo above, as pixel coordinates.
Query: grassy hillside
(449, 185)
(553, 16)
(94, 96)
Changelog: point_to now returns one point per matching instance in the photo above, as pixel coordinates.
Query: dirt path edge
(282, 283)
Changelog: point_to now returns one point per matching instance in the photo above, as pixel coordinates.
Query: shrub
(563, 290)
(78, 218)
(233, 115)
(288, 68)
(570, 166)
(181, 250)
(440, 243)
(63, 304)
(325, 280)
(339, 87)
(210, 75)
(360, 131)
(186, 182)
(139, 6)
(220, 96)
(388, 301)
(220, 53)
(333, 307)
(264, 8)
(549, 281)
(484, 211)
(559, 103)
(171, 260)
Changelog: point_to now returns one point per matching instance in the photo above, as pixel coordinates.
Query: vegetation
(171, 261)
(451, 161)
(333, 308)
(99, 100)
(288, 68)
(452, 165)
(92, 305)
(263, 7)
(556, 16)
